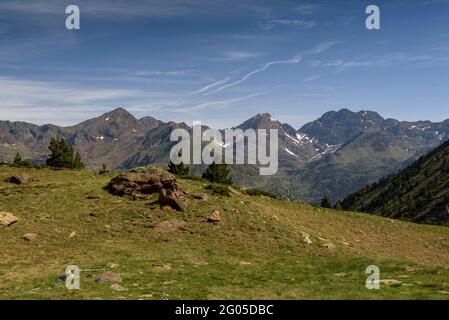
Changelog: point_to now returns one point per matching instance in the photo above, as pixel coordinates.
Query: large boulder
(20, 178)
(7, 219)
(141, 183)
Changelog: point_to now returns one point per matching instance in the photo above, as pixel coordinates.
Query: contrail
(211, 86)
(218, 103)
(296, 59)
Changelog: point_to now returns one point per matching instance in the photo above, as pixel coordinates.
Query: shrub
(178, 169)
(218, 173)
(19, 162)
(326, 202)
(104, 169)
(338, 205)
(218, 189)
(258, 192)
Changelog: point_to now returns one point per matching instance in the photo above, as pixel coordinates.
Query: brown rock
(168, 198)
(109, 277)
(30, 236)
(142, 182)
(7, 219)
(200, 196)
(391, 282)
(215, 217)
(170, 225)
(20, 178)
(199, 261)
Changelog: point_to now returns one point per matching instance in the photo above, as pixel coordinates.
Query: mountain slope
(418, 193)
(257, 251)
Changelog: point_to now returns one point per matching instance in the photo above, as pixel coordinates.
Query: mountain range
(334, 155)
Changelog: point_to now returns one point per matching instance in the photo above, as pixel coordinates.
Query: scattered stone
(306, 237)
(340, 274)
(72, 234)
(20, 178)
(109, 277)
(30, 236)
(162, 268)
(7, 219)
(245, 263)
(170, 225)
(113, 265)
(409, 269)
(117, 287)
(147, 296)
(200, 196)
(214, 217)
(391, 282)
(329, 245)
(199, 261)
(169, 198)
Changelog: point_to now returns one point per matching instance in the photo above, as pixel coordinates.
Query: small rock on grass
(329, 245)
(29, 236)
(7, 219)
(306, 237)
(170, 225)
(109, 277)
(117, 287)
(199, 261)
(215, 217)
(391, 282)
(200, 196)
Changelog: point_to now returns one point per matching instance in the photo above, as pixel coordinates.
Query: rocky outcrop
(141, 183)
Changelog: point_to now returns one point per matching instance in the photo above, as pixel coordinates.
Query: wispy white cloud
(216, 104)
(296, 59)
(299, 23)
(240, 55)
(308, 8)
(212, 85)
(43, 102)
(171, 73)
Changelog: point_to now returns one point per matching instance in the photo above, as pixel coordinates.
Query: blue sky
(222, 62)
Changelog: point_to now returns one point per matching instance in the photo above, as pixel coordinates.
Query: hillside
(259, 249)
(418, 193)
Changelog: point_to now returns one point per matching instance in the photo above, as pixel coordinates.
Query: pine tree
(63, 156)
(178, 169)
(326, 202)
(218, 173)
(338, 205)
(104, 169)
(18, 159)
